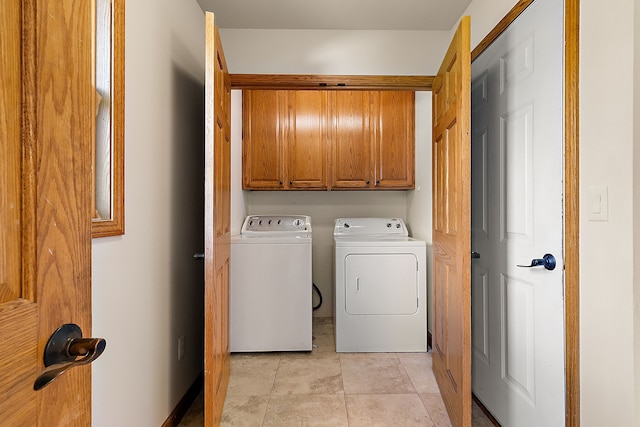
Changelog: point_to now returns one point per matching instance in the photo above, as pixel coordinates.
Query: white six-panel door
(517, 173)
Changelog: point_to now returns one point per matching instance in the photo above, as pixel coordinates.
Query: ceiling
(437, 15)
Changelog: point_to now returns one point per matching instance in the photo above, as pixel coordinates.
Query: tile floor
(325, 388)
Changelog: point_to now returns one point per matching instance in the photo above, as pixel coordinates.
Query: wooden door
(452, 227)
(306, 148)
(217, 224)
(46, 123)
(351, 140)
(517, 215)
(265, 119)
(394, 113)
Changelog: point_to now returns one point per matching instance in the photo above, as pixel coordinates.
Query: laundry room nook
(329, 192)
(324, 207)
(367, 347)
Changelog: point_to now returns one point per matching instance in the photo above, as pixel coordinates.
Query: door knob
(548, 261)
(63, 349)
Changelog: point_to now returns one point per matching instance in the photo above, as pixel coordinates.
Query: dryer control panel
(383, 227)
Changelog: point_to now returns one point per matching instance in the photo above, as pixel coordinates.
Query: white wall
(636, 205)
(238, 197)
(342, 52)
(333, 51)
(485, 14)
(606, 248)
(147, 289)
(419, 211)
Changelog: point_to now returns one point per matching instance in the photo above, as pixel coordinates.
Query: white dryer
(270, 285)
(380, 287)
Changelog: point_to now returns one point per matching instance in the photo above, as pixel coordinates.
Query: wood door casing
(217, 224)
(46, 125)
(452, 227)
(264, 112)
(351, 140)
(394, 130)
(306, 147)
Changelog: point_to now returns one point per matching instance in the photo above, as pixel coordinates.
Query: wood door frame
(571, 193)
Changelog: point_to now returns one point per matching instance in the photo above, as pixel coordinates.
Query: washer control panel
(271, 225)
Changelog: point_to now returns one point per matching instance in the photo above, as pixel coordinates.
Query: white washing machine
(270, 285)
(380, 287)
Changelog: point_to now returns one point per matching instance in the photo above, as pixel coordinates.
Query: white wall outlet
(182, 347)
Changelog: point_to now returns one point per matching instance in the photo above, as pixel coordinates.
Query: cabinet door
(351, 141)
(395, 139)
(306, 148)
(264, 122)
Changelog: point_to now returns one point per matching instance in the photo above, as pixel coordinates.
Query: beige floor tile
(385, 410)
(374, 373)
(244, 411)
(323, 346)
(435, 406)
(252, 374)
(322, 326)
(307, 411)
(314, 375)
(478, 418)
(418, 367)
(309, 389)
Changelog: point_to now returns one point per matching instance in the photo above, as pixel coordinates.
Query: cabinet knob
(377, 182)
(290, 182)
(280, 182)
(367, 182)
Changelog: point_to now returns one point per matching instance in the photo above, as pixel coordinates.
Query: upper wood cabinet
(351, 140)
(313, 139)
(265, 113)
(306, 145)
(373, 139)
(394, 130)
(284, 139)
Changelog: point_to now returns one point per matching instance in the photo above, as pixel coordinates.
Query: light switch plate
(598, 203)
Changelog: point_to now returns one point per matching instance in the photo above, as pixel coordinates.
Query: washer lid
(276, 225)
(372, 227)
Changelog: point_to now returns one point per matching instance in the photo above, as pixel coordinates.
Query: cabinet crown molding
(330, 82)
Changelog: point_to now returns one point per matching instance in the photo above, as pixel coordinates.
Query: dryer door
(381, 284)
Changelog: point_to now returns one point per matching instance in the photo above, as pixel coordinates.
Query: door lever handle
(62, 351)
(198, 256)
(548, 261)
(475, 255)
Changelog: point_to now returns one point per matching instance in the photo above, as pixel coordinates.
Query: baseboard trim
(485, 410)
(185, 403)
(429, 346)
